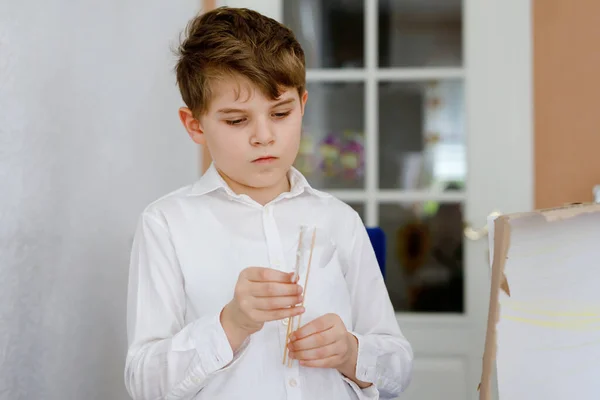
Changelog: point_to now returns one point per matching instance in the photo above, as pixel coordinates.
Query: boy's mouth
(264, 160)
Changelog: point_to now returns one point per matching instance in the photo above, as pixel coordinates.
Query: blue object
(377, 236)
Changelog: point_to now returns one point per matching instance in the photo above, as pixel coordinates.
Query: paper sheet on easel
(546, 342)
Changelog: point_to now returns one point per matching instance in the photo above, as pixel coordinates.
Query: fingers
(329, 362)
(320, 324)
(270, 289)
(320, 343)
(276, 315)
(275, 303)
(261, 274)
(320, 353)
(316, 340)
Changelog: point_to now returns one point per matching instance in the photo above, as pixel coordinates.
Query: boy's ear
(303, 100)
(192, 125)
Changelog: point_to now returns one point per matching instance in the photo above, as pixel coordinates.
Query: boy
(211, 287)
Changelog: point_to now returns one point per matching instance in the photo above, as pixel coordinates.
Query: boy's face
(252, 139)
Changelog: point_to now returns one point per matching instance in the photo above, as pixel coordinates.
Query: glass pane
(420, 33)
(331, 153)
(421, 135)
(424, 271)
(331, 32)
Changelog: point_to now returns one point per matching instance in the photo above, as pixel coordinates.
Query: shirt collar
(212, 181)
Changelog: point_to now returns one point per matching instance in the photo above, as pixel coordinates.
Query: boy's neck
(262, 195)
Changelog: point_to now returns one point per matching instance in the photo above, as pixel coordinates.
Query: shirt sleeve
(167, 359)
(385, 357)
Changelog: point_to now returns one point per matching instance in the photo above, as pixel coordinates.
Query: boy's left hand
(324, 343)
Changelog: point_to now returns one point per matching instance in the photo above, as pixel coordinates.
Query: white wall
(273, 9)
(89, 135)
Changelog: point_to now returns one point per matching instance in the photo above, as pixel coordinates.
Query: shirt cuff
(369, 393)
(366, 362)
(213, 347)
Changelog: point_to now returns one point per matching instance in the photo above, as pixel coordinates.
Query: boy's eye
(281, 114)
(235, 121)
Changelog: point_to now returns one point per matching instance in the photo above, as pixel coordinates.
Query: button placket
(292, 380)
(276, 260)
(272, 237)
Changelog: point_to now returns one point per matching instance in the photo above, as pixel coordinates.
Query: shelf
(418, 74)
(398, 196)
(336, 75)
(384, 74)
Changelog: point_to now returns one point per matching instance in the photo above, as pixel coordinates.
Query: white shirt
(189, 249)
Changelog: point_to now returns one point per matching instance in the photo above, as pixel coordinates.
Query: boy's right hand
(261, 295)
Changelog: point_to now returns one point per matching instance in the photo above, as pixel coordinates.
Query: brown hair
(237, 42)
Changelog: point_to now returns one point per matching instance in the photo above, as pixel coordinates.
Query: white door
(419, 116)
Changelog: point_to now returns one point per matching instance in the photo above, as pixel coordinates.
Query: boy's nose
(263, 134)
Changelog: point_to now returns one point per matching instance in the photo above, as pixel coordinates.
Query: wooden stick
(290, 320)
(287, 338)
(312, 246)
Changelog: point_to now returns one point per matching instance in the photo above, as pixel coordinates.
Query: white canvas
(548, 330)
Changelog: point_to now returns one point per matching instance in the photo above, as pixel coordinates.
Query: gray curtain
(89, 135)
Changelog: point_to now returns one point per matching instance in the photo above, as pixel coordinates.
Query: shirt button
(284, 321)
(293, 382)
